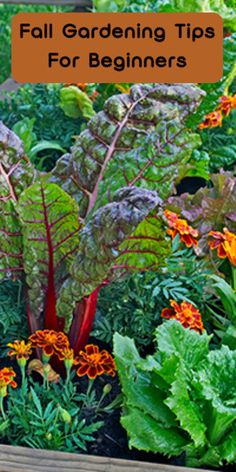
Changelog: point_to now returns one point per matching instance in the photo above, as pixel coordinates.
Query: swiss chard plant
(63, 235)
(182, 399)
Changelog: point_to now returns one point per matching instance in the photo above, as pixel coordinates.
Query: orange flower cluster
(6, 378)
(51, 342)
(215, 118)
(20, 349)
(187, 314)
(225, 243)
(93, 363)
(180, 226)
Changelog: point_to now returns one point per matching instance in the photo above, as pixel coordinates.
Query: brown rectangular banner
(117, 47)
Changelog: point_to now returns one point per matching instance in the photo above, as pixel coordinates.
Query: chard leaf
(50, 227)
(115, 131)
(188, 345)
(147, 434)
(11, 249)
(154, 162)
(186, 409)
(16, 172)
(146, 248)
(100, 240)
(216, 384)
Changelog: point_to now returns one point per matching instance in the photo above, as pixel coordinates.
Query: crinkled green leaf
(186, 410)
(114, 132)
(155, 161)
(137, 385)
(75, 102)
(228, 448)
(16, 172)
(216, 384)
(188, 345)
(147, 247)
(11, 248)
(50, 227)
(147, 434)
(100, 240)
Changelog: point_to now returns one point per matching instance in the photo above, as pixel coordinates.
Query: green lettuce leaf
(186, 410)
(216, 384)
(189, 346)
(147, 434)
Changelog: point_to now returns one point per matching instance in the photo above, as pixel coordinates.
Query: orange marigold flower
(51, 342)
(212, 120)
(227, 104)
(180, 226)
(20, 349)
(6, 378)
(187, 314)
(225, 243)
(93, 363)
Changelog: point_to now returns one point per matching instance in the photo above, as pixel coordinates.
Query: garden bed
(21, 459)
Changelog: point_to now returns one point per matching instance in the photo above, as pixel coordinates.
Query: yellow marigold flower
(225, 243)
(180, 226)
(187, 314)
(93, 362)
(20, 349)
(67, 356)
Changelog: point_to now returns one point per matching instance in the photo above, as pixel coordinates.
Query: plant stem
(22, 369)
(233, 277)
(2, 408)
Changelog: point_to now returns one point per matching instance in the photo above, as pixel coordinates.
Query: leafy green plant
(181, 399)
(220, 145)
(53, 236)
(224, 319)
(133, 306)
(75, 102)
(6, 14)
(24, 129)
(37, 106)
(13, 322)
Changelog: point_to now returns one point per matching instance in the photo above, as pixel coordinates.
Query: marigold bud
(107, 389)
(65, 415)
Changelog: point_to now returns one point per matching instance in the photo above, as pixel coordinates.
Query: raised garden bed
(22, 459)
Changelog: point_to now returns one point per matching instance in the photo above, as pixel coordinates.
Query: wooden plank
(9, 86)
(80, 3)
(21, 459)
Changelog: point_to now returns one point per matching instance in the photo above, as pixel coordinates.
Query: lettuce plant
(182, 399)
(66, 233)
